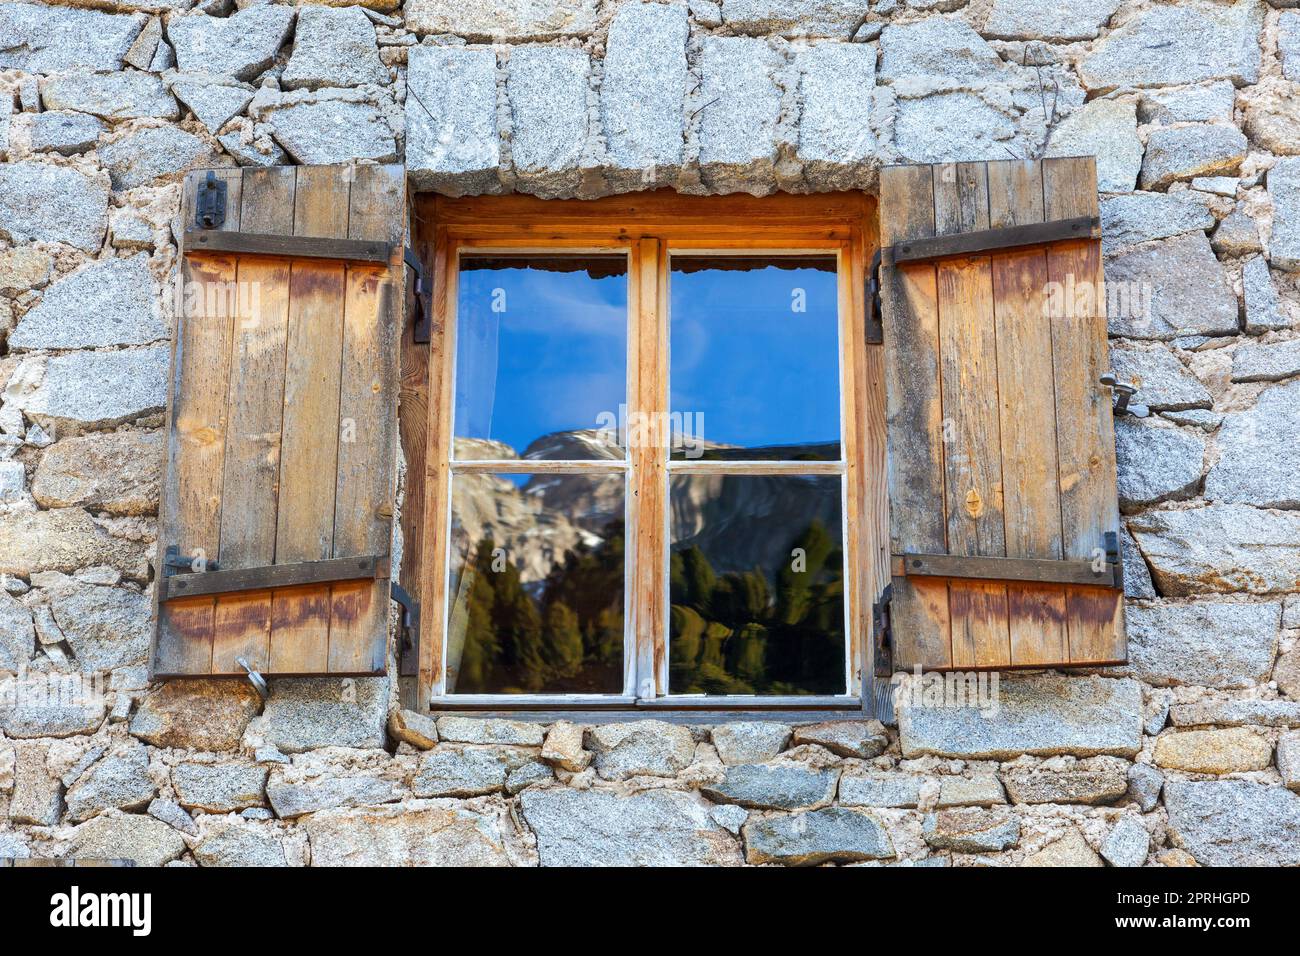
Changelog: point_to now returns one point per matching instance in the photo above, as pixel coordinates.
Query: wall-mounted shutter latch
(880, 629)
(408, 651)
(210, 202)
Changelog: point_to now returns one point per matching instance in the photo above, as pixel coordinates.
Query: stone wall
(1189, 755)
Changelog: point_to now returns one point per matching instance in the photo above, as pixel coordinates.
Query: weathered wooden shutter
(276, 520)
(1003, 511)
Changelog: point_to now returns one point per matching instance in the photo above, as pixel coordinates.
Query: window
(647, 459)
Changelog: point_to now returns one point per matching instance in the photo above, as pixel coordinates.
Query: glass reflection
(757, 585)
(755, 357)
(541, 356)
(536, 591)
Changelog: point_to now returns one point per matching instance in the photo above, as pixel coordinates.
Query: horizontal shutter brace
(1105, 571)
(992, 240)
(175, 584)
(297, 247)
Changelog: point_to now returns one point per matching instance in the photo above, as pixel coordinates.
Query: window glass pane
(541, 356)
(754, 345)
(536, 590)
(757, 585)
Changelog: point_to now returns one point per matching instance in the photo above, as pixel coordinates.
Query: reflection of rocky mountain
(740, 522)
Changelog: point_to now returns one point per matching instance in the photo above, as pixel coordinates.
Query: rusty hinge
(875, 312)
(882, 634)
(422, 323)
(1114, 558)
(408, 649)
(173, 563)
(210, 203)
(1124, 392)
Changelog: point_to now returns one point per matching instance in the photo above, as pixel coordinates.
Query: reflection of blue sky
(761, 373)
(552, 361)
(555, 359)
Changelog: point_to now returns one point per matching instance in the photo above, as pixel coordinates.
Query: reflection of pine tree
(733, 635)
(565, 637)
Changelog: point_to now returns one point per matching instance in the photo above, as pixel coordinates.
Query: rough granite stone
(334, 46)
(548, 88)
(1197, 40)
(451, 126)
(1288, 43)
(1234, 823)
(1237, 235)
(1137, 576)
(107, 302)
(847, 738)
(64, 539)
(1236, 713)
(410, 727)
(174, 815)
(563, 747)
(1234, 750)
(1223, 548)
(1071, 850)
(1182, 152)
(794, 18)
(212, 100)
(837, 147)
(113, 96)
(17, 634)
(242, 45)
(1259, 452)
(113, 472)
(290, 800)
(466, 771)
(331, 127)
(114, 835)
(504, 21)
(894, 791)
(155, 153)
(1163, 382)
(971, 830)
(219, 788)
(1106, 129)
(39, 38)
(303, 714)
(37, 796)
(23, 268)
(745, 742)
(228, 841)
(528, 774)
(1206, 643)
(207, 715)
(1283, 188)
(1034, 20)
(1288, 760)
(416, 833)
(832, 835)
(92, 389)
(1205, 102)
(984, 790)
(650, 828)
(476, 730)
(642, 94)
(1141, 217)
(1189, 294)
(648, 747)
(44, 203)
(738, 127)
(774, 787)
(1263, 305)
(106, 627)
(119, 781)
(1156, 463)
(24, 721)
(1104, 785)
(1144, 785)
(1040, 715)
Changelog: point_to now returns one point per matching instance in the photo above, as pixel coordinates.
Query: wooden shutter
(282, 423)
(1003, 509)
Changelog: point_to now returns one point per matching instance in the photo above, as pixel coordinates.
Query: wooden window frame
(647, 227)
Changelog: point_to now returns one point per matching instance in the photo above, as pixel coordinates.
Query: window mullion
(647, 456)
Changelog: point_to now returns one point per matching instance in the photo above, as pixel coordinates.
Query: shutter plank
(1089, 505)
(241, 629)
(190, 513)
(366, 472)
(914, 413)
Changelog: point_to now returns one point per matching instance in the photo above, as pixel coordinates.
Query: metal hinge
(422, 324)
(875, 312)
(408, 649)
(1123, 392)
(173, 563)
(1114, 557)
(210, 203)
(882, 634)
